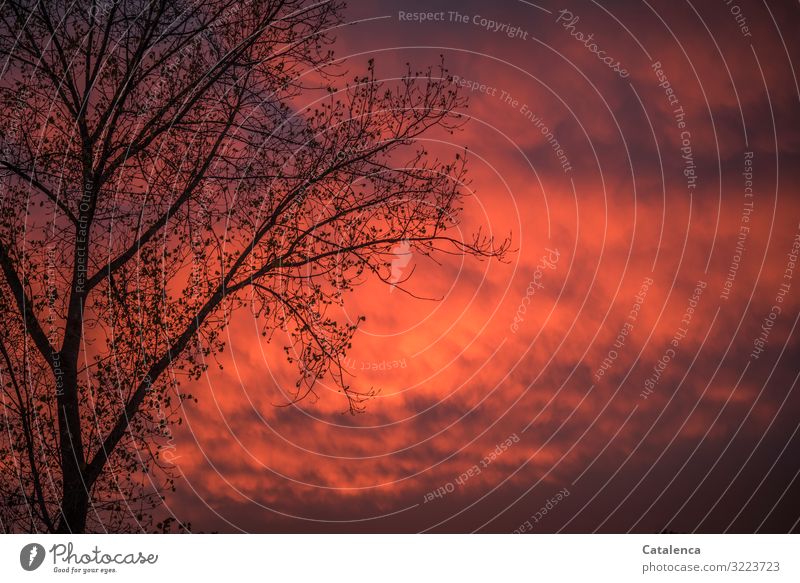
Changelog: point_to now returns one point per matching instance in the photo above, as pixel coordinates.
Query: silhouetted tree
(158, 173)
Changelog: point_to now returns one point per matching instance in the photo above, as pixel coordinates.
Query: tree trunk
(76, 486)
(74, 508)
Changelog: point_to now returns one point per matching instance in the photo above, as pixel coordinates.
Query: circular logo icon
(31, 556)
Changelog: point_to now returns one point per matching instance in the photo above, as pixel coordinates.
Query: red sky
(713, 447)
